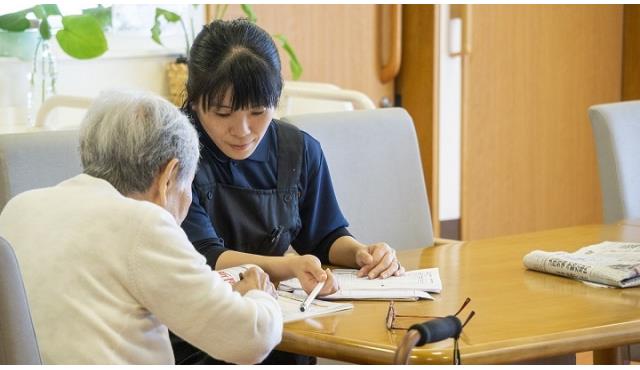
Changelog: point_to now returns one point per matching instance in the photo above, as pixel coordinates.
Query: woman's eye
(222, 114)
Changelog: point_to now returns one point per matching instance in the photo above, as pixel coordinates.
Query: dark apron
(256, 221)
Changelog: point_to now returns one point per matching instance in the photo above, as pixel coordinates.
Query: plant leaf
(248, 11)
(39, 12)
(155, 32)
(170, 17)
(81, 37)
(101, 14)
(15, 22)
(294, 63)
(51, 9)
(42, 11)
(156, 29)
(45, 29)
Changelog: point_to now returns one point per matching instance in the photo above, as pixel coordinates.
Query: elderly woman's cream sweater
(106, 275)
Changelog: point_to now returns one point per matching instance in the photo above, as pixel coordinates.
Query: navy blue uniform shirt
(322, 220)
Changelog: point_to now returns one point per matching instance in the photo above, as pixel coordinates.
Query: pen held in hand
(314, 293)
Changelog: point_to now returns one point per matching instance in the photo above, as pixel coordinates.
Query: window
(129, 34)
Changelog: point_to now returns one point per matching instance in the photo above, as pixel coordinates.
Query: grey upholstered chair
(27, 161)
(36, 159)
(616, 129)
(375, 165)
(18, 344)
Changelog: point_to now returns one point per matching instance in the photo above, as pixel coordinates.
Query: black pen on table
(314, 293)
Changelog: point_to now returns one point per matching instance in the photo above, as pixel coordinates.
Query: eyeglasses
(392, 315)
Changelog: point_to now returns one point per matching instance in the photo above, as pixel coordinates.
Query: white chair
(35, 160)
(616, 129)
(314, 97)
(375, 165)
(18, 344)
(79, 103)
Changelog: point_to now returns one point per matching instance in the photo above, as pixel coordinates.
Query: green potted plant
(81, 36)
(177, 71)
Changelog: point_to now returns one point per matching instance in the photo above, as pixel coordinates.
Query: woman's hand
(378, 260)
(308, 270)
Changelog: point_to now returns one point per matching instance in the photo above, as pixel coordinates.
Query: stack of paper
(289, 303)
(412, 285)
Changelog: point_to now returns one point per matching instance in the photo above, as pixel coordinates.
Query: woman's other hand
(378, 260)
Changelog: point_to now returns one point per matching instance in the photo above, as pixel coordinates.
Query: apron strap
(290, 150)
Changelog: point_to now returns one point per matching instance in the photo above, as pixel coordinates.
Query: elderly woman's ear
(173, 194)
(164, 182)
(162, 186)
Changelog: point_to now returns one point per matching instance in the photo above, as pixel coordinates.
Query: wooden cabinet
(528, 156)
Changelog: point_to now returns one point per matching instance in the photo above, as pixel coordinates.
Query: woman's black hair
(235, 56)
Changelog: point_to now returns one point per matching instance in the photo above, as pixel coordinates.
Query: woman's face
(236, 133)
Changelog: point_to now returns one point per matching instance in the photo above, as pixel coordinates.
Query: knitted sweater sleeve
(172, 280)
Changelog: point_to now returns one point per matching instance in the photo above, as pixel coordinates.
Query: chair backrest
(616, 129)
(18, 344)
(36, 159)
(77, 103)
(377, 174)
(314, 97)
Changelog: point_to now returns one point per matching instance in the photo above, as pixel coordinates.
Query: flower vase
(42, 79)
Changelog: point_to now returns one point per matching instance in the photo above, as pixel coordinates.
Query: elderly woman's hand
(378, 260)
(255, 278)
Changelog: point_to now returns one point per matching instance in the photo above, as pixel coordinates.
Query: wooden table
(520, 314)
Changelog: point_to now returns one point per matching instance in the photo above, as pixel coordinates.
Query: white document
(289, 303)
(371, 295)
(412, 285)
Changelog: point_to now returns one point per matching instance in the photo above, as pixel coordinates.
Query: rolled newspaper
(610, 263)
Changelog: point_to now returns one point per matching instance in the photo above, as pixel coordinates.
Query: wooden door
(631, 53)
(417, 85)
(528, 157)
(338, 44)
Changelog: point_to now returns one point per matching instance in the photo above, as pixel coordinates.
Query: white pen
(314, 293)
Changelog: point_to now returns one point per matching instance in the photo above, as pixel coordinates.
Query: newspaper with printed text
(609, 263)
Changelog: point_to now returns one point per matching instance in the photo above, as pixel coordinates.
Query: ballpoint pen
(314, 293)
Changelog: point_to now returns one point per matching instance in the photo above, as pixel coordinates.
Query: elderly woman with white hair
(104, 259)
